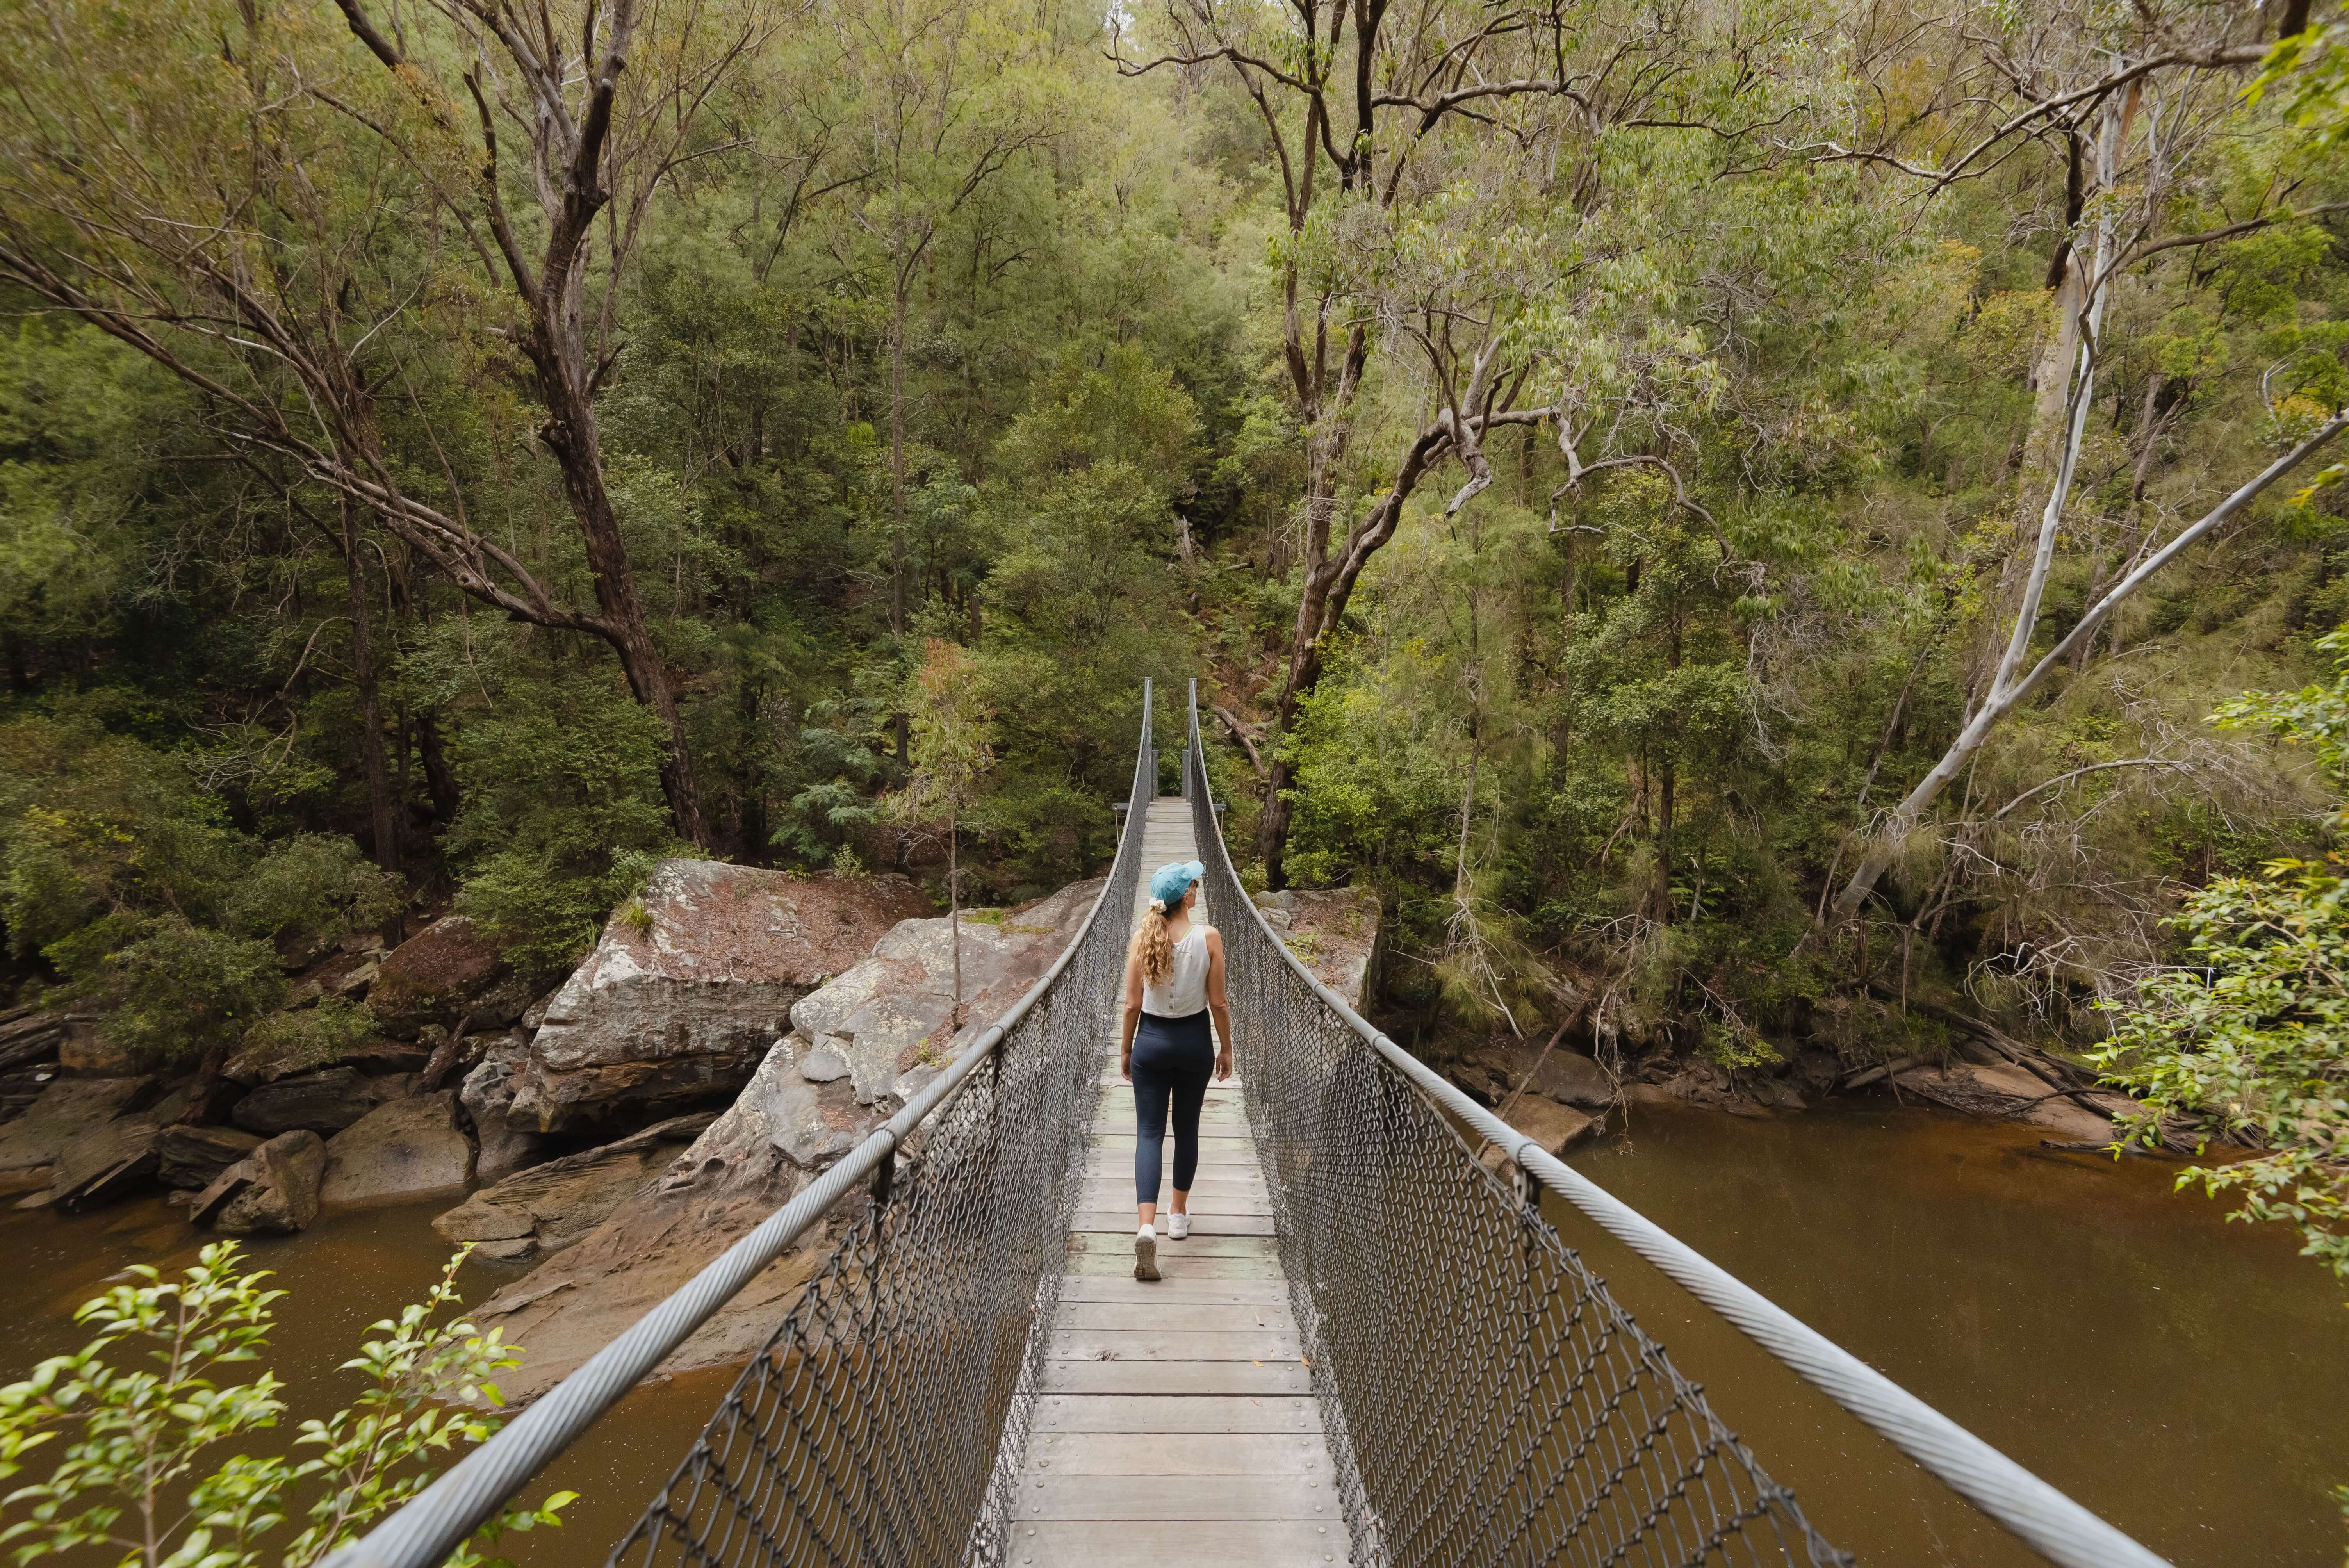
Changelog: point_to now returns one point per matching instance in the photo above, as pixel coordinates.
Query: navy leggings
(1173, 1060)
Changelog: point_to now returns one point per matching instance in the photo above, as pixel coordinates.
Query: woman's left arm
(1217, 1005)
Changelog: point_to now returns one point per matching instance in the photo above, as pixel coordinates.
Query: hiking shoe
(1146, 1253)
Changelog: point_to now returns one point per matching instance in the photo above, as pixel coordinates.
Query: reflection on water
(2183, 1376)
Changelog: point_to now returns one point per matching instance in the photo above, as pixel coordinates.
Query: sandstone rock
(67, 1108)
(280, 1194)
(823, 1067)
(108, 1161)
(2006, 1092)
(675, 1015)
(1554, 1127)
(408, 1146)
(763, 1148)
(1335, 933)
(891, 1013)
(259, 1062)
(1573, 1078)
(447, 972)
(192, 1156)
(324, 1102)
(487, 1093)
(30, 1036)
(83, 1054)
(233, 1180)
(554, 1204)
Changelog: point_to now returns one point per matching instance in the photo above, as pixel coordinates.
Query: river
(2186, 1377)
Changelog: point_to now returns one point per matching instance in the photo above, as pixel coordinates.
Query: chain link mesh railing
(883, 1420)
(1488, 1401)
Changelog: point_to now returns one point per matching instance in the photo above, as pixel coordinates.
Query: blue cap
(1168, 883)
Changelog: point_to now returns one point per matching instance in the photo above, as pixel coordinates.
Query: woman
(1174, 979)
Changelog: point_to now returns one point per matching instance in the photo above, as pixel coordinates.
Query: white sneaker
(1178, 1227)
(1146, 1253)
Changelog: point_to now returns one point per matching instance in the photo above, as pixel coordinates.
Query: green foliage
(136, 1421)
(315, 888)
(310, 1036)
(178, 990)
(2252, 1037)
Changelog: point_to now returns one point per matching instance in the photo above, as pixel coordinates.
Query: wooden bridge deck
(1176, 1422)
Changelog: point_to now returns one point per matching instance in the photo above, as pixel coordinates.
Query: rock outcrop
(273, 1190)
(888, 1018)
(321, 1102)
(548, 1207)
(397, 1150)
(689, 985)
(1334, 932)
(65, 1110)
(487, 1094)
(1572, 1079)
(448, 972)
(190, 1157)
(788, 1122)
(107, 1161)
(2003, 1092)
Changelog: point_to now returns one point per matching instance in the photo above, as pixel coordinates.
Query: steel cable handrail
(425, 1531)
(2057, 1527)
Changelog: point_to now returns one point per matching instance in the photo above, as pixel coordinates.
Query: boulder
(690, 984)
(108, 1161)
(29, 1036)
(190, 1157)
(259, 1061)
(280, 1191)
(448, 972)
(487, 1094)
(65, 1110)
(550, 1206)
(1572, 1079)
(1334, 932)
(769, 1143)
(83, 1054)
(323, 1102)
(1554, 1127)
(2004, 1091)
(407, 1147)
(891, 1013)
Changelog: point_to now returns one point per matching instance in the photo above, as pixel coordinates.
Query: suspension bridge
(1372, 1349)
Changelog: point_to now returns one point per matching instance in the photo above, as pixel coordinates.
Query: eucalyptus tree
(305, 222)
(1463, 191)
(2142, 107)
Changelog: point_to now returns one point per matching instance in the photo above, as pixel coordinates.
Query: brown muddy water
(2186, 1377)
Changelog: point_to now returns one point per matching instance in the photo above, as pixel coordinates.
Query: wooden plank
(1180, 1454)
(1135, 1316)
(1094, 1243)
(1110, 1543)
(1204, 1223)
(1173, 1292)
(1110, 1195)
(1119, 1496)
(1172, 1345)
(1163, 1379)
(1107, 1264)
(1102, 1544)
(1171, 1413)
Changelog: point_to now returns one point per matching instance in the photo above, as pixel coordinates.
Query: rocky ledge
(856, 1048)
(690, 984)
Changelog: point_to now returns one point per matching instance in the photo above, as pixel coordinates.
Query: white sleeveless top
(1184, 990)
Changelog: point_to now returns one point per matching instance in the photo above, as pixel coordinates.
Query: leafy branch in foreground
(2253, 1039)
(133, 1435)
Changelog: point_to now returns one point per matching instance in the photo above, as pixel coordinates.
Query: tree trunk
(897, 461)
(381, 819)
(570, 434)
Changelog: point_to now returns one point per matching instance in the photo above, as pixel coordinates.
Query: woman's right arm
(1132, 1016)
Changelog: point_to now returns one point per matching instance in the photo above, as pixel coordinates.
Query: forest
(1736, 519)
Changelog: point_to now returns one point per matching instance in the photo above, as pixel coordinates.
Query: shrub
(139, 1470)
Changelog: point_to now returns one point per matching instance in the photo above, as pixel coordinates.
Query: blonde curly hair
(1152, 944)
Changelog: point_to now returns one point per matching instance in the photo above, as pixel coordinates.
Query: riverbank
(2175, 1372)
